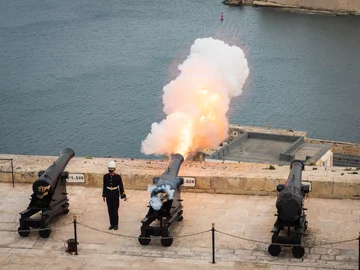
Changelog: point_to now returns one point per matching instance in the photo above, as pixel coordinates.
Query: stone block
(327, 257)
(343, 258)
(202, 183)
(137, 181)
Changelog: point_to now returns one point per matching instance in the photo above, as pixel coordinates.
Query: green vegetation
(88, 157)
(314, 168)
(271, 167)
(351, 171)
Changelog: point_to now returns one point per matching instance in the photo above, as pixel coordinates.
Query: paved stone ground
(244, 216)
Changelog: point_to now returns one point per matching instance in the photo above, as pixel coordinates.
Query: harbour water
(89, 74)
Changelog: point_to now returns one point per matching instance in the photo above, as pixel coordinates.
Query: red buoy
(221, 17)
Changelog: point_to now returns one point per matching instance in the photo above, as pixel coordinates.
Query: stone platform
(241, 216)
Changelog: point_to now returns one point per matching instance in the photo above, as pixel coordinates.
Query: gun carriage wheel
(298, 251)
(144, 240)
(24, 231)
(274, 250)
(167, 241)
(45, 232)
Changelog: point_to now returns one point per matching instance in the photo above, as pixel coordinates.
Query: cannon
(49, 197)
(165, 204)
(290, 213)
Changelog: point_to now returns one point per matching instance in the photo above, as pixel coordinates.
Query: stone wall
(336, 5)
(345, 148)
(242, 129)
(331, 183)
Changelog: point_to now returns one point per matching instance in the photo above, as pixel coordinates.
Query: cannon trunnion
(49, 197)
(165, 207)
(290, 213)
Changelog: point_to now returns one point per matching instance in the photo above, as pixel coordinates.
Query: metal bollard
(75, 236)
(12, 172)
(213, 242)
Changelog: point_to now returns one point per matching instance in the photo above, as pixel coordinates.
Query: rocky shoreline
(290, 8)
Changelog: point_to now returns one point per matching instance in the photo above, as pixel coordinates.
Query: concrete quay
(211, 177)
(250, 217)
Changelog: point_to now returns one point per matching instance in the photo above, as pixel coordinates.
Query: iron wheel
(167, 241)
(298, 252)
(144, 241)
(45, 233)
(274, 250)
(24, 231)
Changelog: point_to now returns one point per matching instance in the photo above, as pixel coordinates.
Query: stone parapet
(211, 177)
(346, 148)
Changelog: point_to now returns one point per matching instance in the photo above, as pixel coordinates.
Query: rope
(243, 238)
(336, 242)
(289, 245)
(141, 237)
(36, 230)
(193, 234)
(136, 193)
(95, 229)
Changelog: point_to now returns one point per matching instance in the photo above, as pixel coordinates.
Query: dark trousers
(113, 207)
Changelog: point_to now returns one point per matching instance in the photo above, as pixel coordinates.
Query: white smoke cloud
(156, 200)
(155, 203)
(196, 102)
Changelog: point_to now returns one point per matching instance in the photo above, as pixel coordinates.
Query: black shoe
(116, 228)
(111, 227)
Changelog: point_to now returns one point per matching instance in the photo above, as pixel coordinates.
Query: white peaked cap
(111, 164)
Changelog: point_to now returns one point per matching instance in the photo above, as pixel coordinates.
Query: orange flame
(191, 140)
(196, 101)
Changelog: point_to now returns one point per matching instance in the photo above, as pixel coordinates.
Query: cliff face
(333, 5)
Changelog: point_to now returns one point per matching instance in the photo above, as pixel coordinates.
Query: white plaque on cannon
(76, 178)
(189, 181)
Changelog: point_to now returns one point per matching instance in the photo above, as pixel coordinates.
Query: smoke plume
(196, 101)
(156, 200)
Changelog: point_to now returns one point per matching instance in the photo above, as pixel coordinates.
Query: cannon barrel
(295, 175)
(167, 183)
(172, 170)
(47, 180)
(291, 195)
